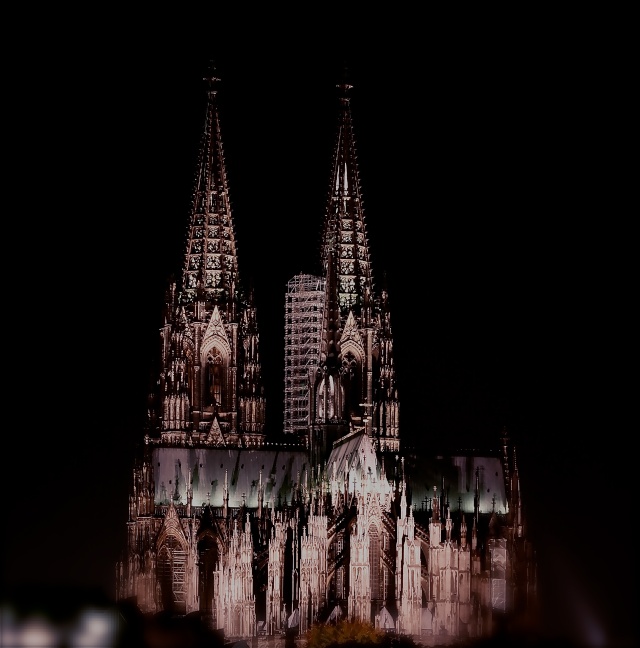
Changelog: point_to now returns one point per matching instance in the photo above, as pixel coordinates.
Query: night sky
(478, 158)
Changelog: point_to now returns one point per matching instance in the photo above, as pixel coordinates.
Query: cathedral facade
(332, 518)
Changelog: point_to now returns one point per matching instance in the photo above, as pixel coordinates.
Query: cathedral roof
(353, 454)
(458, 475)
(280, 470)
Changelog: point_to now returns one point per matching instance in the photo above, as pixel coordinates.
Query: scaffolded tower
(304, 305)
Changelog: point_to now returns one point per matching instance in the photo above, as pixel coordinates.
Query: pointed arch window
(352, 383)
(374, 562)
(213, 377)
(325, 404)
(207, 564)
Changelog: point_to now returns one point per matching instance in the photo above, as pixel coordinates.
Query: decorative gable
(215, 436)
(350, 331)
(171, 527)
(216, 332)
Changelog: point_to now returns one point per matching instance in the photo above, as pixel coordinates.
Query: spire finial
(211, 78)
(344, 86)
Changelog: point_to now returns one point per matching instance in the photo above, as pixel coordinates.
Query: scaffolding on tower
(304, 305)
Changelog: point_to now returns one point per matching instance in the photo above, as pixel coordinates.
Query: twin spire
(354, 341)
(211, 264)
(344, 239)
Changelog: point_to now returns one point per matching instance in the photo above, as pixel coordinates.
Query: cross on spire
(211, 79)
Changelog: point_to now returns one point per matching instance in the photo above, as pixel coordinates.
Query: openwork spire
(344, 234)
(210, 264)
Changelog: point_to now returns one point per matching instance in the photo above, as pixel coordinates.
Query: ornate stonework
(335, 520)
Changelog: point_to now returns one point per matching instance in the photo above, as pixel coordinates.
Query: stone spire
(210, 263)
(344, 240)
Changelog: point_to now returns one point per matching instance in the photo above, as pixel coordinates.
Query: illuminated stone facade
(261, 532)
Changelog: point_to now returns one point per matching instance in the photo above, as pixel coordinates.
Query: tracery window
(326, 398)
(214, 376)
(347, 284)
(347, 267)
(374, 562)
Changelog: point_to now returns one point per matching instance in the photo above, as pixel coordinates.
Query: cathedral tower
(354, 386)
(210, 387)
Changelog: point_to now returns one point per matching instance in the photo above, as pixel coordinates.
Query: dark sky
(478, 154)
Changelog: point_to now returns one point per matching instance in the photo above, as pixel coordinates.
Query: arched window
(207, 560)
(325, 402)
(352, 384)
(374, 564)
(214, 377)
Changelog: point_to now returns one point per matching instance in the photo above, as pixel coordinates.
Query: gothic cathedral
(330, 519)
